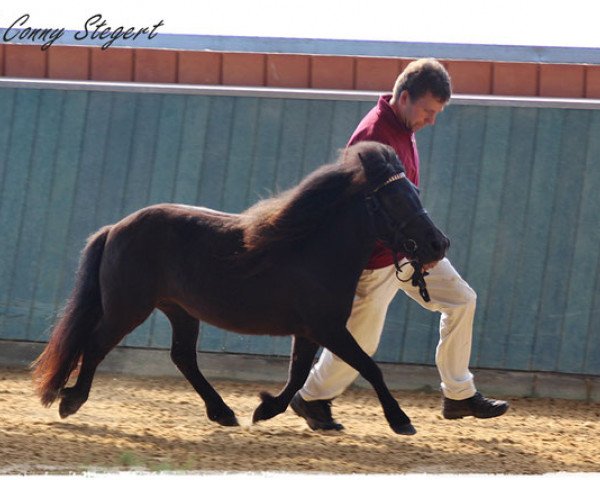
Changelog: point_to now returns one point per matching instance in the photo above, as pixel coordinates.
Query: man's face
(419, 113)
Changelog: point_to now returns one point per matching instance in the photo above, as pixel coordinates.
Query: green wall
(516, 188)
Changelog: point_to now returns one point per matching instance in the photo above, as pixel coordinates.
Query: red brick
(288, 71)
(203, 68)
(112, 65)
(515, 79)
(471, 77)
(378, 74)
(592, 81)
(155, 66)
(332, 72)
(562, 81)
(244, 69)
(2, 60)
(28, 61)
(69, 63)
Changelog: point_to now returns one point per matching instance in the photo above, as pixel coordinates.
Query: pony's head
(400, 220)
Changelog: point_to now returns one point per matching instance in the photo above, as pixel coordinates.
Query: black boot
(316, 413)
(477, 406)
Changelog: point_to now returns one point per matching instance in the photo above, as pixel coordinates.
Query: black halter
(399, 242)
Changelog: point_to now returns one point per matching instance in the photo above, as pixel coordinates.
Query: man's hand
(429, 266)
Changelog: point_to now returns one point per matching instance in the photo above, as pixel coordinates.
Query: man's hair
(422, 76)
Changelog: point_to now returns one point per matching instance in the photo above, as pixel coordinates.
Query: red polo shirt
(382, 125)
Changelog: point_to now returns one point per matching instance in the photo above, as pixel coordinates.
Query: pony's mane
(275, 224)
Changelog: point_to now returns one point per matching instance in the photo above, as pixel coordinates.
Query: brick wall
(293, 71)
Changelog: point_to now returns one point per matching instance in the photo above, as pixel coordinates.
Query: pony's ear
(395, 157)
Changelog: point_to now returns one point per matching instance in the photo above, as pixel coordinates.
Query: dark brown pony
(289, 265)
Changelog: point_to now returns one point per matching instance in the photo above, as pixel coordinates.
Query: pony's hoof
(224, 417)
(406, 429)
(228, 421)
(69, 403)
(267, 409)
(261, 413)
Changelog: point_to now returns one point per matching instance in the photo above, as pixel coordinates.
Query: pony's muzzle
(441, 246)
(436, 249)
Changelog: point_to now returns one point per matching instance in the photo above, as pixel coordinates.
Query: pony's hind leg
(303, 353)
(72, 398)
(109, 331)
(183, 354)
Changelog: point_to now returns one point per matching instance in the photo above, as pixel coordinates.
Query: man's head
(421, 92)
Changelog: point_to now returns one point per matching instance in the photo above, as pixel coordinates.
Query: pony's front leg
(342, 343)
(303, 353)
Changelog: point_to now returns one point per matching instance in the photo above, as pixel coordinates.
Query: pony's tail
(51, 370)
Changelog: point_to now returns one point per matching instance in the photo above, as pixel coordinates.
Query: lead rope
(418, 276)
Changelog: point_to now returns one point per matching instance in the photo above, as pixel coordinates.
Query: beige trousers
(450, 295)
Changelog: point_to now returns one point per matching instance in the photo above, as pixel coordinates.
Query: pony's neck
(345, 245)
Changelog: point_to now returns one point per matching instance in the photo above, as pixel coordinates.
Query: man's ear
(403, 97)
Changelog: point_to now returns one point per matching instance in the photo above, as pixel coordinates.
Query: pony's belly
(249, 327)
(244, 321)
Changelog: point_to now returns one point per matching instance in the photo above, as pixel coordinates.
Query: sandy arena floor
(159, 424)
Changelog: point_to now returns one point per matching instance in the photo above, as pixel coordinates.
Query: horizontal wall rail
(288, 93)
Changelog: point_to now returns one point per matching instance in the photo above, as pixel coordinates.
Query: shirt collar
(383, 104)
